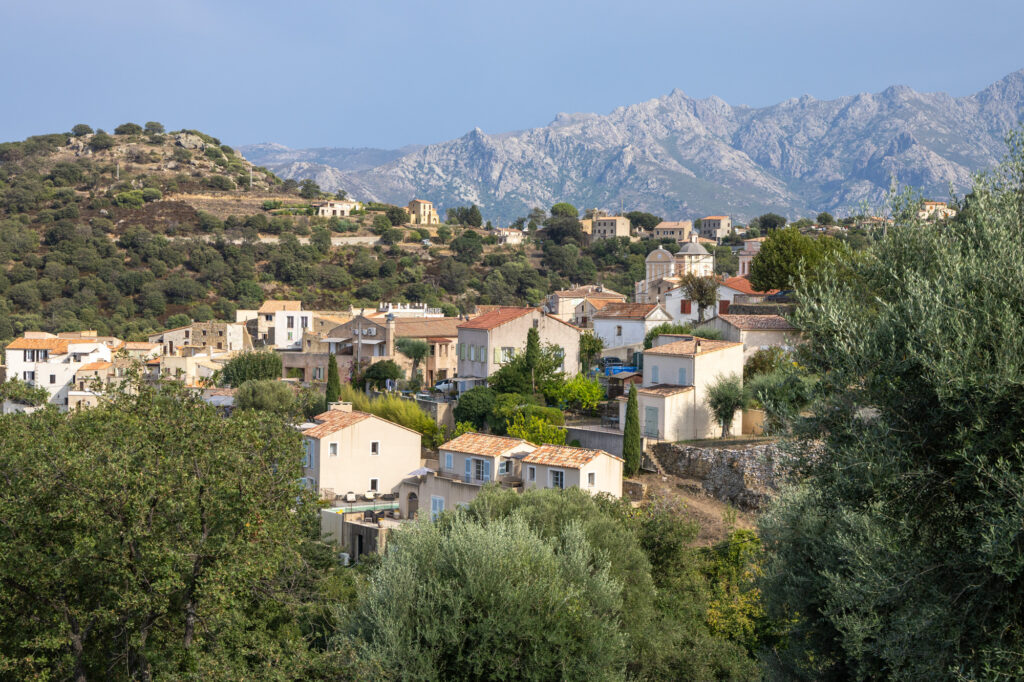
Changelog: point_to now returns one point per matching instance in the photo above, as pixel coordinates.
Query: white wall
(354, 465)
(281, 330)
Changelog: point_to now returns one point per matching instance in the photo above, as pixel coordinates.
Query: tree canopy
(899, 554)
(251, 366)
(786, 256)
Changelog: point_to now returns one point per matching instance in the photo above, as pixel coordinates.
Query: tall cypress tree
(632, 444)
(333, 381)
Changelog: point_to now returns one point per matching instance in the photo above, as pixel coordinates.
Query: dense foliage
(187, 557)
(900, 554)
(587, 589)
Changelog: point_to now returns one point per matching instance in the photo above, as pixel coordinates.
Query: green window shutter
(497, 355)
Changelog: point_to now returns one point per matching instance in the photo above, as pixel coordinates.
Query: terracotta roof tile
(140, 345)
(421, 328)
(495, 318)
(563, 456)
(276, 306)
(632, 311)
(53, 345)
(758, 322)
(102, 364)
(743, 285)
(482, 444)
(715, 217)
(334, 420)
(689, 346)
(598, 303)
(664, 389)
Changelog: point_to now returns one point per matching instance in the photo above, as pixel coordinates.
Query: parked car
(610, 361)
(446, 386)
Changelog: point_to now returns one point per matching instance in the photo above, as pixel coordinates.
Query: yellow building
(421, 212)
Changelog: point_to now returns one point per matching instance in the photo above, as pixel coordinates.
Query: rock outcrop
(682, 157)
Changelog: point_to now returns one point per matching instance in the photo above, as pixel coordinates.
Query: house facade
(678, 231)
(677, 372)
(200, 336)
(664, 270)
(751, 247)
(561, 466)
(715, 227)
(509, 236)
(609, 227)
(624, 325)
(421, 212)
(336, 208)
(488, 341)
(562, 304)
(348, 451)
(756, 332)
(266, 319)
(51, 361)
(465, 464)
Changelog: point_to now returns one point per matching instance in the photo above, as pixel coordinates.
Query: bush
(131, 199)
(475, 406)
(265, 395)
(220, 182)
(251, 366)
(81, 129)
(128, 129)
(151, 194)
(101, 141)
(154, 128)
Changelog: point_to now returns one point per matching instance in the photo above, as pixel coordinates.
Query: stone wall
(747, 478)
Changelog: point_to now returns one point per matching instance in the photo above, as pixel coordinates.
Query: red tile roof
(564, 456)
(743, 285)
(758, 322)
(420, 328)
(275, 306)
(495, 318)
(482, 444)
(631, 311)
(691, 346)
(715, 217)
(54, 345)
(332, 421)
(102, 364)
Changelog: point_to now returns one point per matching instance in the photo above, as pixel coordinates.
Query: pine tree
(333, 381)
(632, 447)
(532, 355)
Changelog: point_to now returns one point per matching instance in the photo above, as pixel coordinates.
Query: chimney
(389, 337)
(339, 407)
(697, 346)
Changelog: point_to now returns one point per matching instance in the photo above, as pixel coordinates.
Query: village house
(677, 372)
(465, 464)
(561, 466)
(336, 208)
(199, 337)
(715, 227)
(50, 361)
(678, 231)
(623, 326)
(355, 452)
(266, 319)
(751, 247)
(192, 369)
(562, 304)
(488, 341)
(509, 236)
(609, 227)
(935, 210)
(756, 332)
(583, 314)
(421, 212)
(366, 339)
(731, 290)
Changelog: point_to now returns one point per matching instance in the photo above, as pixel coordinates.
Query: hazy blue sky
(393, 72)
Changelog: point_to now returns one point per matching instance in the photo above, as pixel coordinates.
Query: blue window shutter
(682, 376)
(448, 461)
(469, 469)
(487, 469)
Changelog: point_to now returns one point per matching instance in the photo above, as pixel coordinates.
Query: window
(291, 322)
(531, 473)
(557, 479)
(289, 336)
(374, 484)
(591, 479)
(685, 307)
(305, 321)
(53, 378)
(654, 374)
(307, 461)
(505, 466)
(478, 469)
(28, 376)
(318, 373)
(436, 506)
(375, 448)
(472, 353)
(618, 330)
(682, 376)
(448, 465)
(268, 318)
(333, 449)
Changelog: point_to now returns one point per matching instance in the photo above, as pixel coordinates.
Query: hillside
(682, 157)
(126, 233)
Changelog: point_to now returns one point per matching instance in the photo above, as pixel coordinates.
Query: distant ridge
(682, 157)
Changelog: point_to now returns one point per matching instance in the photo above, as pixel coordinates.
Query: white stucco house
(623, 326)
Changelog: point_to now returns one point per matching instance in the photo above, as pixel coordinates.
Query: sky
(386, 73)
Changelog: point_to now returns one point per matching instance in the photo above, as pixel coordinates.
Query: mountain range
(681, 157)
